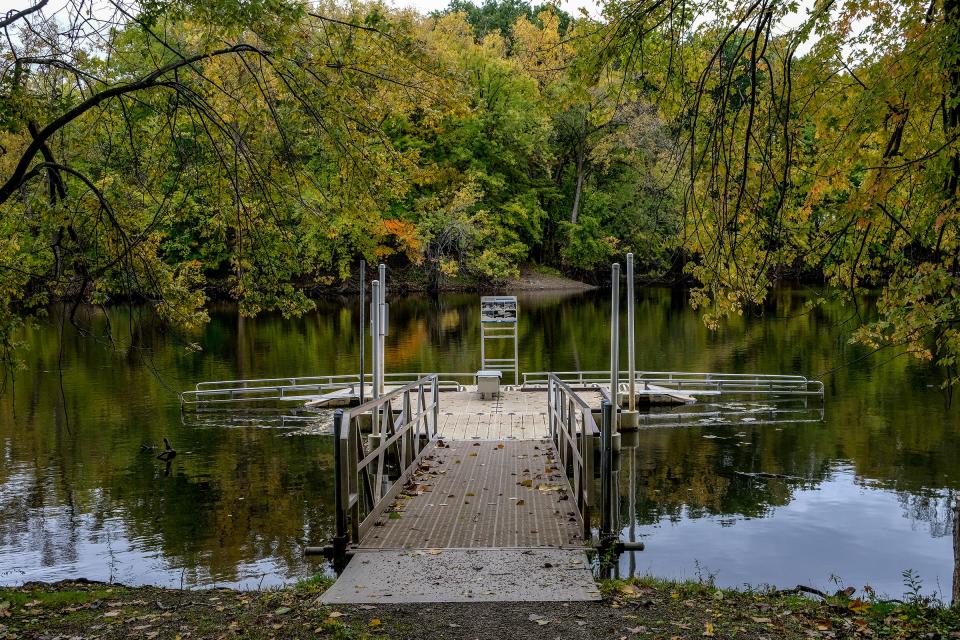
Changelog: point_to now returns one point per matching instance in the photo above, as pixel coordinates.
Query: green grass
(317, 583)
(45, 598)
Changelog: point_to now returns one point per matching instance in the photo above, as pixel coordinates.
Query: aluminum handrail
(322, 379)
(573, 430)
(690, 382)
(289, 380)
(597, 375)
(288, 393)
(364, 487)
(299, 388)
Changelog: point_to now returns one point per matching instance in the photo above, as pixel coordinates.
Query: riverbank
(643, 609)
(413, 279)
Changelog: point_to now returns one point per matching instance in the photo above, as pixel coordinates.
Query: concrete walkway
(465, 575)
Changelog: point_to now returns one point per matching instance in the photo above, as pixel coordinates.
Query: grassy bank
(642, 608)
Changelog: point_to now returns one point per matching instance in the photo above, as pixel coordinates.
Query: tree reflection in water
(79, 497)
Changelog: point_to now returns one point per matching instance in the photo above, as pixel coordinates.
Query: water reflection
(762, 528)
(866, 487)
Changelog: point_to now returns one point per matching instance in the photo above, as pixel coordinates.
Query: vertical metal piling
(606, 472)
(956, 555)
(363, 327)
(632, 510)
(382, 311)
(615, 333)
(629, 419)
(631, 356)
(340, 539)
(375, 334)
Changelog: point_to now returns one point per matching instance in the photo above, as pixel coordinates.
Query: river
(860, 496)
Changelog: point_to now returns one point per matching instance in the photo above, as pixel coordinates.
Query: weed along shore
(637, 608)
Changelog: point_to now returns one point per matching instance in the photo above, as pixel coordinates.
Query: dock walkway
(486, 514)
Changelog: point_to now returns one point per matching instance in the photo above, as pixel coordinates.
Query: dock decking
(514, 414)
(487, 515)
(503, 494)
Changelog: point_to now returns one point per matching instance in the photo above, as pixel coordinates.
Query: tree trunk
(576, 195)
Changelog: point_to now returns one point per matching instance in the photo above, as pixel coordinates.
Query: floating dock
(454, 487)
(484, 512)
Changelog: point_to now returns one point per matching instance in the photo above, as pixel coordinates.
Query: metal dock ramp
(488, 517)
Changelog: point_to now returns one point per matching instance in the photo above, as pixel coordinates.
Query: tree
(500, 16)
(840, 161)
(142, 156)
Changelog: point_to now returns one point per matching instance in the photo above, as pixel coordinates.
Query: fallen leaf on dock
(538, 619)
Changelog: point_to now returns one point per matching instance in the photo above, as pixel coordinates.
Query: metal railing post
(405, 442)
(516, 352)
(435, 392)
(551, 391)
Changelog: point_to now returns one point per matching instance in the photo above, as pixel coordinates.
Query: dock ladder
(498, 321)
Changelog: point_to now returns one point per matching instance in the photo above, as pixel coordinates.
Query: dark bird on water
(169, 453)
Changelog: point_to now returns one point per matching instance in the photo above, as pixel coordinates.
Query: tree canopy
(169, 152)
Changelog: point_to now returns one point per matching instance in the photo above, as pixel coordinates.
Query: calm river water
(866, 495)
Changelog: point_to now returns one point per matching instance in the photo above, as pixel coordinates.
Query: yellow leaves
(628, 590)
(858, 606)
(542, 52)
(452, 31)
(544, 487)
